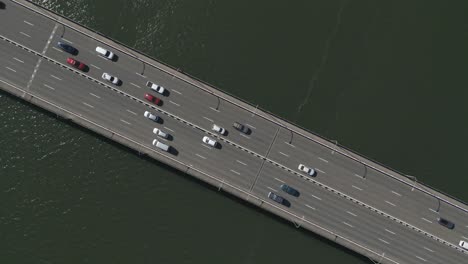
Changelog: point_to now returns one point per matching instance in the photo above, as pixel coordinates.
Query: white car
(160, 133)
(463, 244)
(150, 116)
(306, 169)
(160, 145)
(209, 141)
(155, 87)
(105, 53)
(218, 129)
(110, 78)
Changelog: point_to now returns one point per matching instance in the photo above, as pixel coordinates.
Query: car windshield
(107, 53)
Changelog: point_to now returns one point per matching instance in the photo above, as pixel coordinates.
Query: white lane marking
(320, 171)
(287, 143)
(244, 136)
(10, 69)
(137, 86)
(433, 210)
(208, 119)
(67, 40)
(309, 206)
(357, 175)
(238, 161)
(324, 160)
(25, 34)
(95, 95)
(88, 105)
(94, 66)
(175, 91)
(426, 220)
(250, 126)
(50, 87)
(125, 122)
(199, 156)
(466, 238)
(205, 146)
(392, 204)
(140, 75)
(420, 258)
(34, 73)
(318, 198)
(428, 249)
(235, 172)
(384, 241)
(355, 187)
(272, 189)
(393, 233)
(348, 224)
(284, 154)
(396, 193)
(279, 180)
(29, 23)
(131, 112)
(53, 76)
(16, 59)
(169, 129)
(214, 109)
(351, 213)
(57, 49)
(174, 103)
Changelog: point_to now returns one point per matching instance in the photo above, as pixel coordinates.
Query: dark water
(385, 78)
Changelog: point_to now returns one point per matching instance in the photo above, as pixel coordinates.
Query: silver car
(209, 141)
(110, 78)
(218, 129)
(306, 169)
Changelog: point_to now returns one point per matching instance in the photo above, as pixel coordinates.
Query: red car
(153, 99)
(76, 64)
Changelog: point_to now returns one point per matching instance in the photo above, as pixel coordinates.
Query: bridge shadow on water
(192, 179)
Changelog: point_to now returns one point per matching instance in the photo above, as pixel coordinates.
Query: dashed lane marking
(175, 91)
(235, 172)
(125, 122)
(308, 206)
(55, 77)
(432, 210)
(321, 171)
(429, 221)
(359, 176)
(396, 193)
(131, 112)
(392, 204)
(208, 119)
(16, 59)
(29, 23)
(95, 95)
(351, 213)
(384, 241)
(214, 109)
(88, 105)
(279, 180)
(141, 75)
(428, 249)
(318, 198)
(245, 136)
(238, 161)
(250, 126)
(136, 85)
(393, 233)
(420, 258)
(357, 188)
(174, 103)
(48, 86)
(284, 154)
(94, 66)
(169, 129)
(198, 155)
(22, 33)
(348, 224)
(287, 143)
(205, 146)
(10, 69)
(272, 189)
(61, 51)
(64, 39)
(322, 159)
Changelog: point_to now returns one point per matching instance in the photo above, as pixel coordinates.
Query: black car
(241, 128)
(289, 190)
(446, 223)
(276, 198)
(68, 48)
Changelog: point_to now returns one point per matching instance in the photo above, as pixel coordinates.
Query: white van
(160, 133)
(160, 145)
(105, 53)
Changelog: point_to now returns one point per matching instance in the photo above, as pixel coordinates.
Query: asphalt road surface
(357, 202)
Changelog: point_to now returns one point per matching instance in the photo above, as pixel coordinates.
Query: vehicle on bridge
(463, 244)
(67, 48)
(278, 199)
(218, 129)
(160, 133)
(155, 100)
(155, 87)
(306, 169)
(209, 141)
(289, 190)
(111, 79)
(150, 116)
(105, 53)
(77, 64)
(160, 145)
(446, 223)
(240, 127)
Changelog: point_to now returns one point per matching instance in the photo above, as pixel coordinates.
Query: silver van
(160, 145)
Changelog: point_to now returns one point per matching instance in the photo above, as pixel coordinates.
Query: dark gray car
(278, 199)
(289, 190)
(241, 128)
(446, 223)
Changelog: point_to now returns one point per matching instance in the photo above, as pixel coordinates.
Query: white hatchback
(110, 78)
(218, 129)
(306, 169)
(209, 141)
(155, 87)
(105, 53)
(160, 133)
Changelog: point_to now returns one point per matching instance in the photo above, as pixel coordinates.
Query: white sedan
(209, 141)
(155, 87)
(110, 78)
(218, 129)
(306, 169)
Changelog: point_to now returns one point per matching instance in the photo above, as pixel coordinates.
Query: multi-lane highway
(353, 201)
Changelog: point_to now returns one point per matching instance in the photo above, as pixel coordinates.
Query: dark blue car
(67, 48)
(290, 190)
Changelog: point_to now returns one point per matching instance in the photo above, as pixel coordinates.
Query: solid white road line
(393, 233)
(235, 172)
(50, 87)
(309, 206)
(131, 112)
(16, 59)
(125, 122)
(11, 69)
(390, 203)
(420, 258)
(53, 76)
(57, 49)
(287, 143)
(428, 249)
(245, 136)
(175, 91)
(355, 187)
(318, 198)
(67, 40)
(348, 224)
(208, 119)
(321, 171)
(324, 160)
(94, 66)
(95, 95)
(284, 154)
(272, 189)
(174, 103)
(199, 156)
(396, 193)
(214, 109)
(238, 161)
(384, 241)
(250, 126)
(169, 129)
(279, 180)
(29, 23)
(137, 86)
(351, 213)
(88, 105)
(25, 34)
(426, 220)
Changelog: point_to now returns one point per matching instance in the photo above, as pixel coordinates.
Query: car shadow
(286, 203)
(166, 93)
(160, 103)
(160, 121)
(86, 68)
(173, 151)
(170, 137)
(115, 58)
(2, 5)
(218, 146)
(226, 133)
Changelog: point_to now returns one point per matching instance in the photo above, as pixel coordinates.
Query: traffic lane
(28, 28)
(319, 202)
(18, 64)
